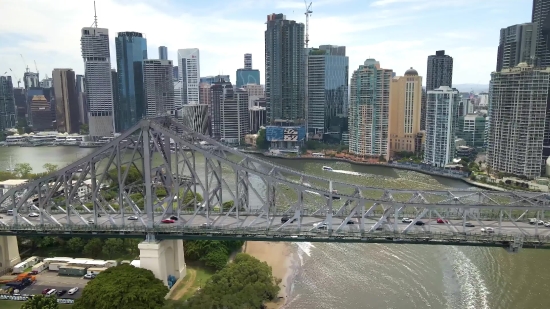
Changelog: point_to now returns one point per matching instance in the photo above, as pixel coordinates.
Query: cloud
(225, 30)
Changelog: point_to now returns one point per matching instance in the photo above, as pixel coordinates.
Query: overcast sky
(398, 33)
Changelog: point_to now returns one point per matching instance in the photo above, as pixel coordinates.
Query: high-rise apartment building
(471, 128)
(31, 79)
(440, 71)
(235, 118)
(219, 92)
(196, 117)
(205, 96)
(441, 114)
(328, 75)
(517, 44)
(131, 50)
(189, 75)
(255, 92)
(284, 71)
(21, 108)
(423, 101)
(97, 70)
(541, 17)
(248, 61)
(257, 118)
(247, 75)
(163, 53)
(42, 116)
(517, 115)
(405, 108)
(158, 87)
(46, 82)
(176, 73)
(7, 103)
(66, 101)
(369, 110)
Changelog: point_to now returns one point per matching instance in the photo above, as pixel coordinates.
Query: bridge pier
(9, 252)
(164, 258)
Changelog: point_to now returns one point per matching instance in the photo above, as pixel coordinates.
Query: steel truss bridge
(161, 169)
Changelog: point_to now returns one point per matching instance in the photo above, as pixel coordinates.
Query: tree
(84, 129)
(123, 286)
(41, 302)
(94, 247)
(50, 168)
(22, 169)
(245, 283)
(76, 244)
(261, 140)
(112, 246)
(216, 259)
(134, 176)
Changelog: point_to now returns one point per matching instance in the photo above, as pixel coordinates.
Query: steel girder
(160, 168)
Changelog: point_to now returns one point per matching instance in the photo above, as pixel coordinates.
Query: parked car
(45, 291)
(51, 292)
(547, 224)
(407, 220)
(73, 291)
(133, 218)
(442, 221)
(61, 292)
(167, 221)
(469, 224)
(89, 276)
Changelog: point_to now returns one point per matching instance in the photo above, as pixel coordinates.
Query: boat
(327, 168)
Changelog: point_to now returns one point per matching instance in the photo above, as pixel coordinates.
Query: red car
(442, 221)
(167, 221)
(45, 291)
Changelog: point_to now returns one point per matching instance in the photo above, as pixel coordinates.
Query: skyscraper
(541, 16)
(7, 103)
(189, 75)
(517, 44)
(97, 70)
(518, 98)
(66, 101)
(284, 70)
(405, 106)
(31, 79)
(440, 71)
(195, 116)
(328, 78)
(42, 115)
(219, 91)
(159, 87)
(441, 115)
(369, 110)
(247, 75)
(81, 94)
(163, 53)
(131, 50)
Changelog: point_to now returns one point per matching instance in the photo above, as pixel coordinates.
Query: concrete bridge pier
(163, 258)
(9, 252)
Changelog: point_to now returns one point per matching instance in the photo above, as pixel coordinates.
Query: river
(335, 276)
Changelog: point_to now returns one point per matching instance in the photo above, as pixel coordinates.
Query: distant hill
(471, 87)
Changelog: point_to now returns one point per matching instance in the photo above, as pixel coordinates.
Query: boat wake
(304, 248)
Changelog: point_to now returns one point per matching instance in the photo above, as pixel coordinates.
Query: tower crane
(307, 13)
(18, 79)
(36, 67)
(25, 63)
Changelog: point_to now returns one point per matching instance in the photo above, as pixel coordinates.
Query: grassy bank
(195, 278)
(9, 304)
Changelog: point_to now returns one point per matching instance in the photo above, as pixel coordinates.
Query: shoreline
(282, 259)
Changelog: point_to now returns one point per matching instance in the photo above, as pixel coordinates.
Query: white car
(33, 215)
(322, 225)
(73, 290)
(133, 218)
(407, 220)
(91, 222)
(547, 224)
(488, 230)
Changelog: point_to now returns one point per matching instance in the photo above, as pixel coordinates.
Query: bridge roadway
(254, 228)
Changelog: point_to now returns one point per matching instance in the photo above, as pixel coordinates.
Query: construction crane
(36, 67)
(25, 63)
(307, 13)
(18, 79)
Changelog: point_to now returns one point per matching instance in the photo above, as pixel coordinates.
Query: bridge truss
(161, 169)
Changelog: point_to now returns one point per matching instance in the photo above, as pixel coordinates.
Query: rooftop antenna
(95, 16)
(307, 13)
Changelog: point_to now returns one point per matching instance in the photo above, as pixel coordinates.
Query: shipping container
(38, 268)
(95, 270)
(56, 266)
(72, 271)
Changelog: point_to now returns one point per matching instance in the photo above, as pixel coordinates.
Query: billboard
(285, 134)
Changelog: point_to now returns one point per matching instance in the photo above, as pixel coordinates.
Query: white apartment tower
(158, 87)
(369, 110)
(441, 114)
(97, 70)
(189, 75)
(518, 99)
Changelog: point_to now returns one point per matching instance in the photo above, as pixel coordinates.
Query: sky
(398, 33)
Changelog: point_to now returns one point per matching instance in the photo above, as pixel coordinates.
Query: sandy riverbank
(280, 256)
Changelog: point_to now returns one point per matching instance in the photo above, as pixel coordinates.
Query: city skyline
(396, 30)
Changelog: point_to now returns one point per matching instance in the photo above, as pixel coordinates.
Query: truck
(19, 285)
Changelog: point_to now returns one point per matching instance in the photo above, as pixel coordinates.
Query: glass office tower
(131, 50)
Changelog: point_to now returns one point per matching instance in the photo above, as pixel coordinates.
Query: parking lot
(51, 280)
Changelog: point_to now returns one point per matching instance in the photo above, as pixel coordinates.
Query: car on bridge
(133, 218)
(442, 221)
(488, 230)
(167, 221)
(33, 215)
(286, 218)
(419, 223)
(407, 220)
(469, 224)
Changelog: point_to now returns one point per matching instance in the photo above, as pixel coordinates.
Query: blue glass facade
(131, 50)
(245, 77)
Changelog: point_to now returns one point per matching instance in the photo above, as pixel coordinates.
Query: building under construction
(517, 114)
